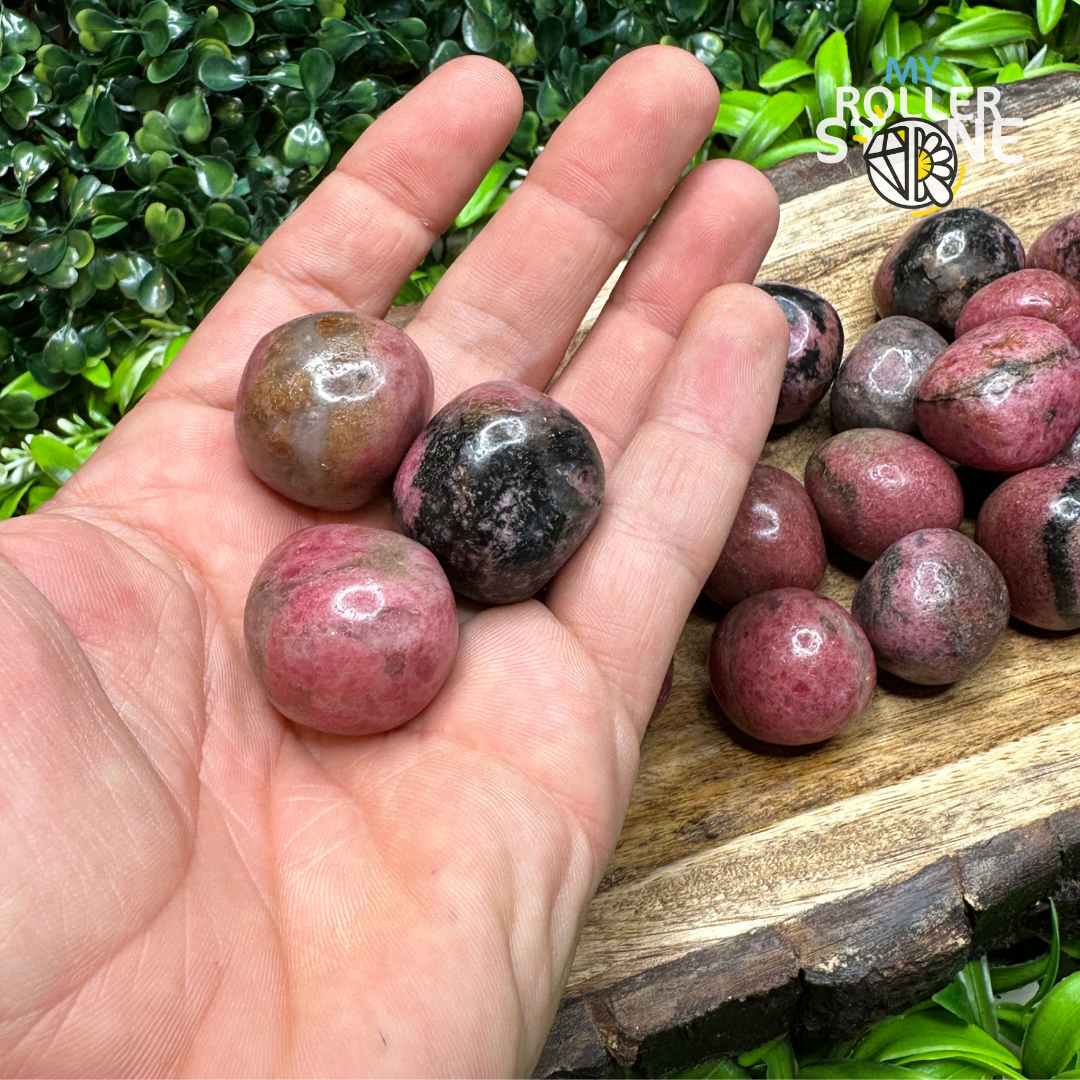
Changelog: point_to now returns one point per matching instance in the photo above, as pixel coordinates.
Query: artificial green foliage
(967, 1031)
(148, 147)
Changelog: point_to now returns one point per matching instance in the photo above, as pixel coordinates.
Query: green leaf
(974, 977)
(163, 68)
(1004, 978)
(18, 33)
(65, 352)
(1053, 1036)
(1048, 13)
(155, 37)
(845, 1069)
(113, 153)
(155, 292)
(189, 116)
(13, 215)
(445, 51)
(17, 411)
(16, 104)
(218, 72)
(222, 217)
(1053, 960)
(26, 384)
(832, 69)
(306, 145)
(45, 253)
(316, 72)
(954, 998)
(950, 1069)
(105, 225)
(172, 350)
(85, 190)
(777, 1056)
(478, 31)
(216, 176)
(811, 35)
(95, 28)
(11, 501)
(239, 27)
(933, 1033)
(97, 374)
(551, 103)
(126, 377)
(525, 138)
(768, 124)
(549, 37)
(783, 72)
(156, 134)
(13, 267)
(40, 494)
(10, 66)
(29, 163)
(57, 460)
(475, 208)
(792, 149)
(997, 28)
(118, 204)
(63, 277)
(83, 244)
(869, 16)
(162, 223)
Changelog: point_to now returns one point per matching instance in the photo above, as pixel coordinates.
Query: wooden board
(817, 891)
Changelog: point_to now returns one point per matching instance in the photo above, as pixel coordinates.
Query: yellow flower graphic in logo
(912, 164)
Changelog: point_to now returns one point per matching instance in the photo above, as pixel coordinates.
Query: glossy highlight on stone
(816, 346)
(934, 606)
(1030, 527)
(790, 667)
(328, 405)
(775, 541)
(941, 262)
(502, 485)
(871, 486)
(1004, 397)
(350, 630)
(1034, 293)
(1058, 248)
(876, 386)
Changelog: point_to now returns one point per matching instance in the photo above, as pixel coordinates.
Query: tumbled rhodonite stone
(502, 485)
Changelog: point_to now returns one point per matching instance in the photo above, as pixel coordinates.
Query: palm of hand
(193, 885)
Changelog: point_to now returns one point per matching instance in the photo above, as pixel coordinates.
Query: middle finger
(509, 306)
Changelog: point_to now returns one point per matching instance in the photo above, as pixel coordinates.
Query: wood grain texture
(751, 894)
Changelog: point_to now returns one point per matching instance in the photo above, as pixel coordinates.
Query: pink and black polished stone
(876, 386)
(327, 406)
(350, 630)
(940, 263)
(814, 353)
(1004, 397)
(1030, 527)
(502, 485)
(934, 607)
(1058, 248)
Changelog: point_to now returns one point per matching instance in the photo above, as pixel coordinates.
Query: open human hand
(193, 885)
